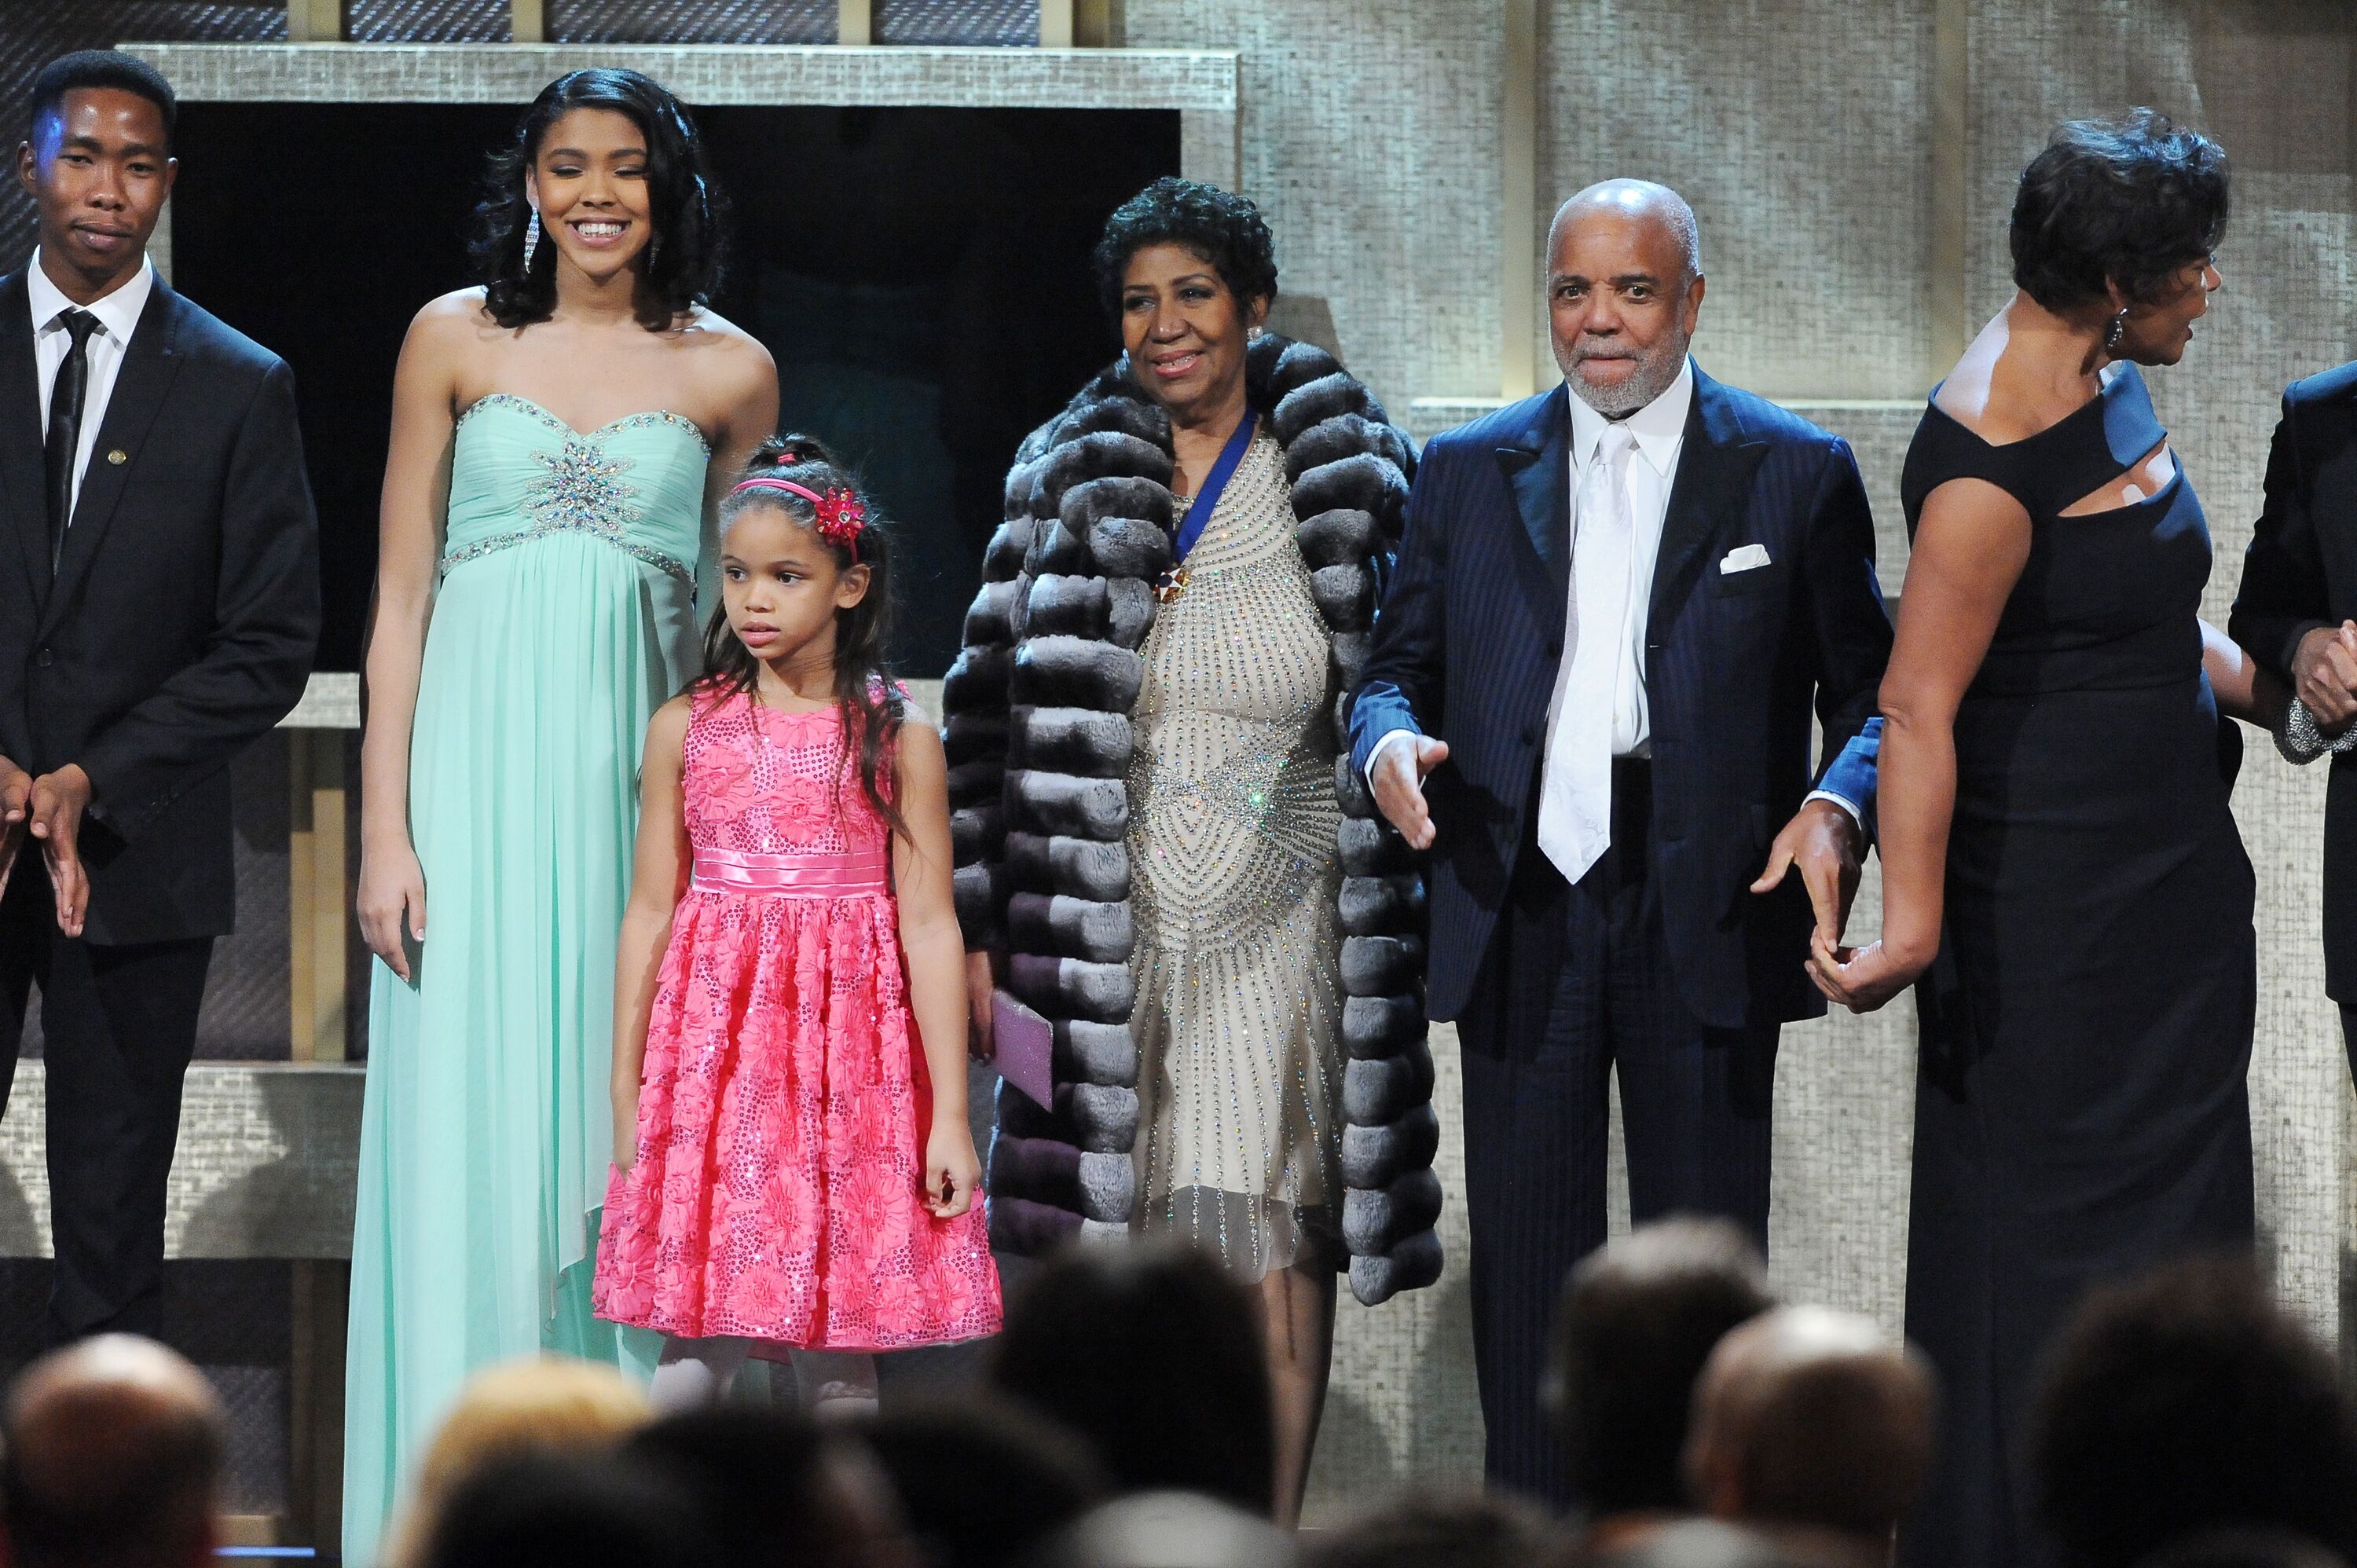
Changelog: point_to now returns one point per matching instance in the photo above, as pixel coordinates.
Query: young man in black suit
(159, 603)
(2296, 611)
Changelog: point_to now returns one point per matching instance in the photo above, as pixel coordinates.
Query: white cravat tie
(1576, 802)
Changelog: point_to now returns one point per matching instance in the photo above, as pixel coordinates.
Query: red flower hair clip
(839, 515)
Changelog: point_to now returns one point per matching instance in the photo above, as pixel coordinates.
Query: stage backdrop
(1851, 162)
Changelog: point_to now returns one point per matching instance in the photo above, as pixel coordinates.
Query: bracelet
(2302, 742)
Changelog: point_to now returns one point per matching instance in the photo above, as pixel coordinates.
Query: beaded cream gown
(1231, 838)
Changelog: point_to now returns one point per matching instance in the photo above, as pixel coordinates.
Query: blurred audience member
(111, 1457)
(1688, 1544)
(2185, 1402)
(553, 1509)
(540, 1403)
(1433, 1529)
(1152, 1354)
(1639, 1319)
(1169, 1530)
(982, 1481)
(772, 1490)
(1813, 1427)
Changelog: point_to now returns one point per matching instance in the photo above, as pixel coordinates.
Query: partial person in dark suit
(1589, 695)
(160, 601)
(2296, 612)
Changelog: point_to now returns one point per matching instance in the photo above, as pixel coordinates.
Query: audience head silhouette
(1169, 1530)
(983, 1480)
(1811, 1418)
(1639, 1319)
(111, 1459)
(1151, 1354)
(772, 1488)
(534, 1404)
(553, 1509)
(2183, 1403)
(1437, 1529)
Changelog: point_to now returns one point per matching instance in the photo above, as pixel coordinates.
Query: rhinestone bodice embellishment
(582, 490)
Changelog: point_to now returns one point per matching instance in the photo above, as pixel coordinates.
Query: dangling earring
(531, 238)
(2116, 331)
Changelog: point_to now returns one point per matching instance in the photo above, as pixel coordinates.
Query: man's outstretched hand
(1824, 843)
(1399, 774)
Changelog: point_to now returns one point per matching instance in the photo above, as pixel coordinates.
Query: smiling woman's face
(589, 182)
(1184, 330)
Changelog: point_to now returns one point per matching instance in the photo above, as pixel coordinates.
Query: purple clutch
(1023, 1048)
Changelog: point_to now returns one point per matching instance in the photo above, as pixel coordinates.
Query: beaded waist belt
(792, 875)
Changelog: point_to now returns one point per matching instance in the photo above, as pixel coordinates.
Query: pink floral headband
(839, 515)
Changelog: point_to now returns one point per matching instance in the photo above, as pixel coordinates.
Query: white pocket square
(1744, 558)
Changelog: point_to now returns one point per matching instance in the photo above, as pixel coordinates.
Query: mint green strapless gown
(566, 615)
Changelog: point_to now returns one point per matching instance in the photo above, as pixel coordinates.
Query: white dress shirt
(1659, 429)
(118, 317)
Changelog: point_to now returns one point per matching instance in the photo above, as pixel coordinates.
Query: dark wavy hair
(682, 265)
(871, 703)
(2131, 201)
(1225, 230)
(2186, 1400)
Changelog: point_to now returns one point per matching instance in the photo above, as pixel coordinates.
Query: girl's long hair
(682, 263)
(870, 702)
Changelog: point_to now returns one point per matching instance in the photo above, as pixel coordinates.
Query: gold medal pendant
(1172, 586)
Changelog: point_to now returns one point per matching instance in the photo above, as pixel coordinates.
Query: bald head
(111, 1456)
(1624, 290)
(1809, 1416)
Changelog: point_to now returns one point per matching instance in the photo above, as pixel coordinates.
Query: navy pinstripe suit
(1660, 960)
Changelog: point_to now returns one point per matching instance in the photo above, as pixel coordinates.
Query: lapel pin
(118, 456)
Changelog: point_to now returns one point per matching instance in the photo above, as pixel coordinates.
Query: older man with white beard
(1589, 698)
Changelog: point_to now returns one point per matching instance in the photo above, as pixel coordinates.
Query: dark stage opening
(920, 275)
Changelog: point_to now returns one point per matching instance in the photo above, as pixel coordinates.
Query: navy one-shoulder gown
(2080, 1111)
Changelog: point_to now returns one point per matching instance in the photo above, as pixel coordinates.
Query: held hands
(392, 893)
(1862, 979)
(1399, 773)
(953, 1170)
(2324, 675)
(1823, 841)
(49, 809)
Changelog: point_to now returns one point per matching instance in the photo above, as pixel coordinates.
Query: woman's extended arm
(658, 869)
(1970, 545)
(936, 957)
(2244, 690)
(391, 896)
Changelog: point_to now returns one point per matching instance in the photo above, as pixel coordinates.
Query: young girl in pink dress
(792, 1164)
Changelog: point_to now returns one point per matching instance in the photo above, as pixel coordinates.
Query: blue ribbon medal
(1199, 511)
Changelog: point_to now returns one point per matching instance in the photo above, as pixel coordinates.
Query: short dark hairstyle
(2131, 201)
(684, 257)
(1436, 1529)
(102, 68)
(1152, 1354)
(983, 1481)
(568, 1511)
(1638, 1321)
(2187, 1400)
(1225, 230)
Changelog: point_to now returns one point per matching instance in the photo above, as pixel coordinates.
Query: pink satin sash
(792, 875)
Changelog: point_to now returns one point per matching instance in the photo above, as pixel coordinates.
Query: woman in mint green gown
(558, 437)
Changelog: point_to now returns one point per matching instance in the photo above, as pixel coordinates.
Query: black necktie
(65, 426)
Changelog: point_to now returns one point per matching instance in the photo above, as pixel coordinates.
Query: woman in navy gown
(2061, 869)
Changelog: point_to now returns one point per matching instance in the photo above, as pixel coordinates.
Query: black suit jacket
(182, 619)
(1470, 637)
(2300, 573)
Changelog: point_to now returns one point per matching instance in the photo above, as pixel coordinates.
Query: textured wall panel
(1370, 142)
(1796, 128)
(428, 21)
(691, 21)
(956, 21)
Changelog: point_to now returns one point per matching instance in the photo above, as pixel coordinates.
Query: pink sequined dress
(784, 1107)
